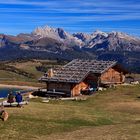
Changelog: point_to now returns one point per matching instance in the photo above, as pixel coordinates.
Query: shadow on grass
(75, 122)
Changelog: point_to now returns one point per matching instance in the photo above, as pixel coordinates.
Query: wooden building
(79, 75)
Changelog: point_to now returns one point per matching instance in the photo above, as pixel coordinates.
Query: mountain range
(47, 42)
(55, 40)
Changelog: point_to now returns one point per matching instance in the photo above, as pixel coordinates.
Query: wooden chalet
(79, 75)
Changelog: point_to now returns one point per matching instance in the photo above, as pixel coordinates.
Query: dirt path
(17, 86)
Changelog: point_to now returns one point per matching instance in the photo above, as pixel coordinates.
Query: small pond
(5, 91)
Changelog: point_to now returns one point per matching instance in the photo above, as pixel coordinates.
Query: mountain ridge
(97, 41)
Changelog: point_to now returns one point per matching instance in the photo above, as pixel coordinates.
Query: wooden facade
(76, 90)
(59, 86)
(112, 76)
(72, 79)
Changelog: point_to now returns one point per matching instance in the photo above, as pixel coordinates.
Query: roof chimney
(50, 73)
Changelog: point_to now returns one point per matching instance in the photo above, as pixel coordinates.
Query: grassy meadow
(113, 114)
(8, 76)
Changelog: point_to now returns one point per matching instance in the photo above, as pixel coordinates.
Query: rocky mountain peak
(54, 33)
(82, 36)
(121, 35)
(99, 33)
(43, 31)
(61, 33)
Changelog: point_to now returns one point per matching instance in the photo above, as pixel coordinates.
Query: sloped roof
(76, 70)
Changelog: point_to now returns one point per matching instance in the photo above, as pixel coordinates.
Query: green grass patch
(117, 108)
(75, 122)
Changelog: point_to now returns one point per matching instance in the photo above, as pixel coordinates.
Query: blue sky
(24, 16)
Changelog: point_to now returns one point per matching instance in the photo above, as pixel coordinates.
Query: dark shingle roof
(76, 70)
